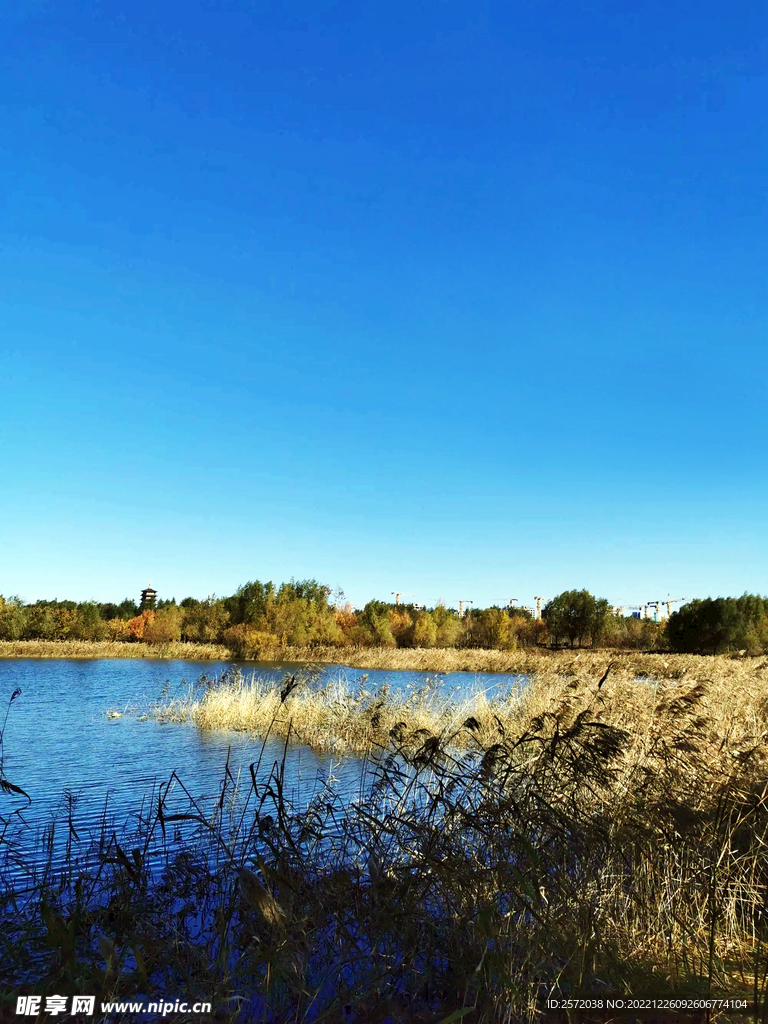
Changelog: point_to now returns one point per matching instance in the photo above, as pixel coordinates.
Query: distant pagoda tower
(148, 598)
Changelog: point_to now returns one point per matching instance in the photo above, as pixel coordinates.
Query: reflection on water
(75, 762)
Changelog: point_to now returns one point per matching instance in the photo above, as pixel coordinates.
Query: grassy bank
(111, 649)
(414, 659)
(434, 660)
(600, 835)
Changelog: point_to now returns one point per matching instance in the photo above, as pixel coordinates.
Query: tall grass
(111, 649)
(526, 660)
(335, 717)
(432, 659)
(602, 835)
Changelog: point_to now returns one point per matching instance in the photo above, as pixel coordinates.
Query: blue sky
(466, 301)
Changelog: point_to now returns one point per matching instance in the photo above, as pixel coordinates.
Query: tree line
(304, 613)
(702, 626)
(259, 616)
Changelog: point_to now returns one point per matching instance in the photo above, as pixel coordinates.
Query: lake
(78, 765)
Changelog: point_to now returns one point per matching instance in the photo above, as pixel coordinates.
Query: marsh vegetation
(171, 650)
(307, 709)
(604, 832)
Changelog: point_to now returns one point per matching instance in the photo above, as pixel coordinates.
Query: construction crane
(619, 609)
(658, 605)
(397, 594)
(652, 604)
(538, 601)
(512, 602)
(461, 607)
(670, 601)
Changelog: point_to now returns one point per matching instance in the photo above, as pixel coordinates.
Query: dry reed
(413, 659)
(175, 650)
(333, 717)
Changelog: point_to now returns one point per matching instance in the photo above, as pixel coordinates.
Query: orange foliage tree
(137, 626)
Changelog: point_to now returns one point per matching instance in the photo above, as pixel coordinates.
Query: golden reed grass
(335, 717)
(413, 659)
(523, 661)
(433, 660)
(111, 649)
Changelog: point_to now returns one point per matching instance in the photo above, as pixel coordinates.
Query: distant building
(148, 598)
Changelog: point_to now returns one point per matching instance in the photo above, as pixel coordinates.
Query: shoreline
(525, 661)
(91, 650)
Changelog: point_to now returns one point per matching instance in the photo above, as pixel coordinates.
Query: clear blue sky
(462, 300)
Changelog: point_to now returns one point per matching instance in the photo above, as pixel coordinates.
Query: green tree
(424, 630)
(12, 618)
(165, 627)
(716, 625)
(205, 622)
(374, 625)
(302, 616)
(577, 615)
(450, 629)
(250, 603)
(127, 609)
(40, 622)
(89, 624)
(492, 629)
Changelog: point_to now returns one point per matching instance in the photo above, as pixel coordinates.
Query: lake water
(78, 764)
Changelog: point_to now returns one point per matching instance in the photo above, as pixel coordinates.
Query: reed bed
(523, 661)
(605, 835)
(175, 650)
(433, 659)
(334, 717)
